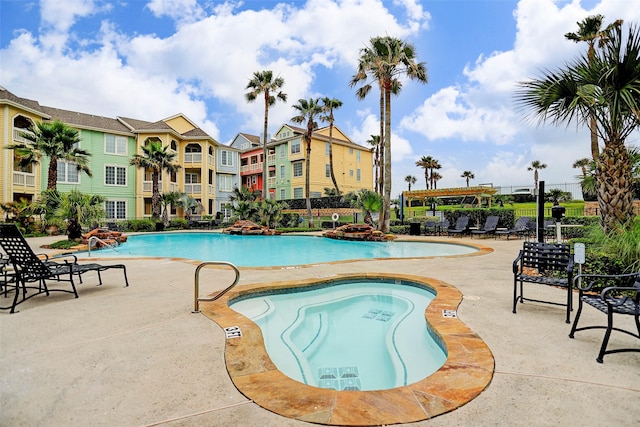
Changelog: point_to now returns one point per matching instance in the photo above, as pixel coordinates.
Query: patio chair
(620, 297)
(490, 226)
(443, 226)
(521, 228)
(29, 268)
(430, 228)
(461, 227)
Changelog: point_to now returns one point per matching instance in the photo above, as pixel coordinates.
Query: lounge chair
(490, 226)
(443, 226)
(29, 268)
(461, 227)
(521, 228)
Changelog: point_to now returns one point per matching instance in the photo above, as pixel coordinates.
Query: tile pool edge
(467, 371)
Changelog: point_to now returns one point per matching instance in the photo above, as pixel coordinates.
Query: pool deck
(137, 356)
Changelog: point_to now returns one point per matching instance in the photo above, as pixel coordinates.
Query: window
(358, 156)
(191, 178)
(327, 148)
(68, 173)
(327, 170)
(357, 174)
(226, 158)
(116, 209)
(225, 182)
(297, 169)
(282, 171)
(295, 146)
(350, 172)
(297, 193)
(115, 175)
(283, 194)
(351, 150)
(115, 144)
(283, 151)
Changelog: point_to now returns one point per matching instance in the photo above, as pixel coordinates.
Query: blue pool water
(348, 335)
(264, 251)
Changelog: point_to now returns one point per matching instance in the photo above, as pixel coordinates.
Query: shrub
(140, 225)
(179, 223)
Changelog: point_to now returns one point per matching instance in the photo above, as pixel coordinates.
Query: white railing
(211, 189)
(253, 167)
(271, 182)
(193, 157)
(147, 186)
(211, 160)
(193, 188)
(173, 187)
(17, 137)
(24, 179)
(271, 159)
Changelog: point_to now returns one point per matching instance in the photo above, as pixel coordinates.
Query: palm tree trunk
(333, 175)
(386, 204)
(381, 143)
(52, 176)
(614, 183)
(377, 164)
(307, 185)
(593, 127)
(265, 188)
(155, 195)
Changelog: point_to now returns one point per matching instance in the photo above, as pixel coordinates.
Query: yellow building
(352, 163)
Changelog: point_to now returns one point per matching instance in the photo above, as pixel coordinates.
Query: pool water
(348, 335)
(265, 251)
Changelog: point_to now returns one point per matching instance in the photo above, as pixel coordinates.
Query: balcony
(251, 168)
(173, 187)
(211, 190)
(193, 157)
(24, 179)
(193, 188)
(147, 186)
(271, 182)
(271, 159)
(17, 137)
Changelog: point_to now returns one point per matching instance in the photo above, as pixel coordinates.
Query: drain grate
(380, 315)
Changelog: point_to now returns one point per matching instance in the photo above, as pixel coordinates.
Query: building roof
(27, 104)
(87, 121)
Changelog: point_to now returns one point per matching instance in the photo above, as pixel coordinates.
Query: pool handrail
(197, 299)
(105, 244)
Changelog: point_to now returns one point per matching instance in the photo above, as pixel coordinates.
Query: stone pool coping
(467, 371)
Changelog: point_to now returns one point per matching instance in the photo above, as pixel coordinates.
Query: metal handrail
(196, 298)
(94, 239)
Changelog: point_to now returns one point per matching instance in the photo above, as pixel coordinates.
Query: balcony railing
(24, 179)
(192, 157)
(211, 160)
(193, 188)
(147, 186)
(253, 167)
(211, 190)
(271, 182)
(17, 137)
(173, 187)
(271, 159)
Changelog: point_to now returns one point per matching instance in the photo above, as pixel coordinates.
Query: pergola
(478, 192)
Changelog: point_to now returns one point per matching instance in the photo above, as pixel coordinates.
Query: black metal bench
(543, 264)
(621, 296)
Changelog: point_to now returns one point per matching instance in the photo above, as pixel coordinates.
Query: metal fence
(568, 187)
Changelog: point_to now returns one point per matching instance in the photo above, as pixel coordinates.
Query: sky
(152, 59)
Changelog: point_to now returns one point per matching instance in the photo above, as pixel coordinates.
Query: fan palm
(78, 209)
(467, 175)
(55, 140)
(368, 202)
(606, 87)
(535, 166)
(589, 30)
(158, 159)
(264, 83)
(385, 59)
(307, 111)
(410, 179)
(328, 105)
(375, 143)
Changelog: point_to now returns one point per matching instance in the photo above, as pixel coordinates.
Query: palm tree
(189, 205)
(167, 200)
(589, 30)
(468, 175)
(328, 105)
(55, 140)
(582, 164)
(158, 159)
(385, 59)
(375, 142)
(308, 110)
(78, 209)
(435, 177)
(410, 179)
(264, 83)
(425, 163)
(535, 166)
(607, 88)
(368, 202)
(244, 202)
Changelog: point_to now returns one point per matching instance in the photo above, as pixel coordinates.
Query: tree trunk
(614, 183)
(307, 185)
(52, 176)
(333, 175)
(386, 218)
(265, 173)
(593, 127)
(381, 143)
(155, 195)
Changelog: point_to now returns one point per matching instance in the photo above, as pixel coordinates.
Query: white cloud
(181, 11)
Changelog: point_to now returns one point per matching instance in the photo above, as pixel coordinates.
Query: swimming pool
(265, 251)
(350, 335)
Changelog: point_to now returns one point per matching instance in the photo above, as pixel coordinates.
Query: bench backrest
(546, 256)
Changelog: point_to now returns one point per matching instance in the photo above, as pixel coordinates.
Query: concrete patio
(137, 356)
